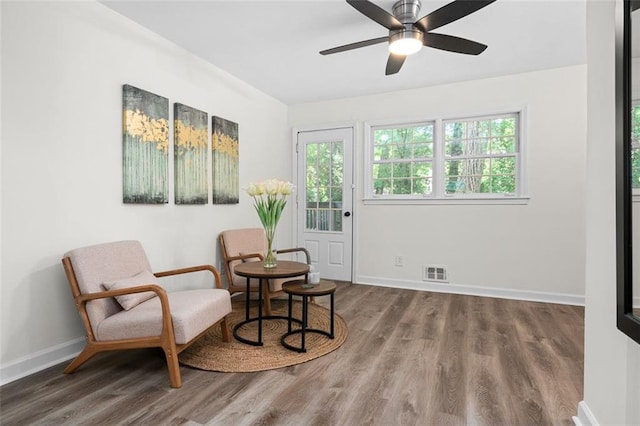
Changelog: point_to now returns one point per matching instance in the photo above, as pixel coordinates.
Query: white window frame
(372, 161)
(438, 194)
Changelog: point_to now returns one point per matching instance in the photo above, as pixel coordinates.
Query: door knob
(347, 214)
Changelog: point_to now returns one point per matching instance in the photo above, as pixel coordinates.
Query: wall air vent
(434, 273)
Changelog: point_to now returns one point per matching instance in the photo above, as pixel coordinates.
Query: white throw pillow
(129, 301)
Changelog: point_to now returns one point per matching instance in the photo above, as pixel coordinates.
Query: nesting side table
(285, 269)
(301, 288)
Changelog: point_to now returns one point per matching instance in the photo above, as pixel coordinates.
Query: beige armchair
(123, 307)
(249, 244)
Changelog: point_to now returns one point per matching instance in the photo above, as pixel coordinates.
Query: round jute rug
(212, 354)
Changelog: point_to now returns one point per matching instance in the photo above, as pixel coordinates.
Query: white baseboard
(585, 417)
(40, 360)
(471, 290)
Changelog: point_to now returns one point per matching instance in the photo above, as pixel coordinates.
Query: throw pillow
(129, 301)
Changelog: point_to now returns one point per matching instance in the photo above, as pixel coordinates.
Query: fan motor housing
(406, 33)
(407, 10)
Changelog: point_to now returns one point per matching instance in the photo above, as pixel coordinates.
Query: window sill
(451, 201)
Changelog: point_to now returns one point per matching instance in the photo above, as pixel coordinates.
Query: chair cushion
(239, 242)
(192, 312)
(129, 301)
(248, 240)
(94, 265)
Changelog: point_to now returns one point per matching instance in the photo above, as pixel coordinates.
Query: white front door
(325, 200)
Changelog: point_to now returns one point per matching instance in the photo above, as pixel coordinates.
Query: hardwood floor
(411, 358)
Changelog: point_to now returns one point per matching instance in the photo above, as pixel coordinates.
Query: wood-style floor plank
(411, 358)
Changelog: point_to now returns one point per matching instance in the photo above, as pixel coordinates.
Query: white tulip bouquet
(270, 198)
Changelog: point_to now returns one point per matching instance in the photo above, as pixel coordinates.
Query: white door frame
(354, 163)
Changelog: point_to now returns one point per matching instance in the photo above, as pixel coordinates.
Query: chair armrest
(291, 250)
(212, 269)
(83, 298)
(245, 256)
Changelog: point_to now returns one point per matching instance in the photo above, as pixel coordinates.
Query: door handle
(347, 214)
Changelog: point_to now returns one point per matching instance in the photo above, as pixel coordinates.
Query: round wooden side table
(284, 269)
(305, 290)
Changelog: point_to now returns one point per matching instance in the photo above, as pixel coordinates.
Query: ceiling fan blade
(377, 14)
(356, 45)
(394, 63)
(449, 13)
(453, 44)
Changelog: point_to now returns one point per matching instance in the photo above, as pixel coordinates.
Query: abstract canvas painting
(145, 145)
(190, 155)
(225, 162)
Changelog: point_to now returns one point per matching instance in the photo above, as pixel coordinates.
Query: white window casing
(457, 191)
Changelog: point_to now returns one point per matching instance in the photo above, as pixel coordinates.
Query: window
(475, 158)
(403, 160)
(480, 156)
(324, 164)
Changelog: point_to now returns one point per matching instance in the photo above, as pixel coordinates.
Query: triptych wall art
(190, 141)
(146, 152)
(145, 146)
(224, 151)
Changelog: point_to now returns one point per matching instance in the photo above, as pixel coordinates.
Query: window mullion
(438, 159)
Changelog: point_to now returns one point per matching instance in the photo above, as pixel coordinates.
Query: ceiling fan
(407, 34)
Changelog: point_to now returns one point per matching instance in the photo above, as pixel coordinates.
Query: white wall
(612, 360)
(531, 251)
(63, 67)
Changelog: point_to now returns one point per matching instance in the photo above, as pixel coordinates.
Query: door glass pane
(312, 198)
(324, 168)
(312, 219)
(336, 164)
(324, 153)
(323, 220)
(336, 197)
(337, 220)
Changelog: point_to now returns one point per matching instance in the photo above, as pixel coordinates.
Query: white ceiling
(274, 45)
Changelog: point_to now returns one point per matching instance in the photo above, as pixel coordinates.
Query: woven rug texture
(212, 354)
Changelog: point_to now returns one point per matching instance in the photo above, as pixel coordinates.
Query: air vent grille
(435, 273)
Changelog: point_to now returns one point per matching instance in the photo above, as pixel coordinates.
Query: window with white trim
(445, 159)
(403, 160)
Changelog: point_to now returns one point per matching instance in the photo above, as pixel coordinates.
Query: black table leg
(332, 317)
(289, 313)
(260, 318)
(260, 312)
(247, 303)
(305, 319)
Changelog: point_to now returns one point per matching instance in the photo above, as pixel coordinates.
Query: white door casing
(325, 199)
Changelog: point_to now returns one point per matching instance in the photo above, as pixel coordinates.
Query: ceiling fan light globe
(405, 46)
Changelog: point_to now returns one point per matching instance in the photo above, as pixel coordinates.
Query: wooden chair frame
(266, 292)
(166, 339)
